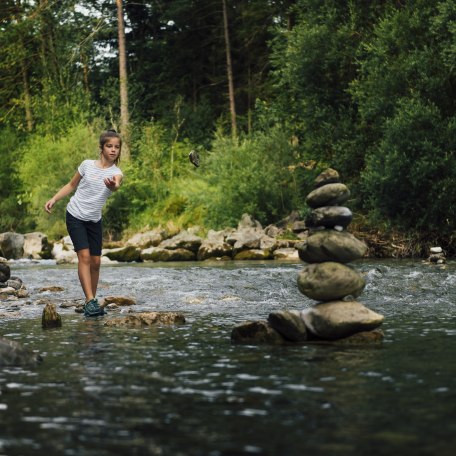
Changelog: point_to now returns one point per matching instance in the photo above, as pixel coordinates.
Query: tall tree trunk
(27, 97)
(229, 70)
(23, 70)
(124, 114)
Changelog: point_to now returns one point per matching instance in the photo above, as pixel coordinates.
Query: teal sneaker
(93, 309)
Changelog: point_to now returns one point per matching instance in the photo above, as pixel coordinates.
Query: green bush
(408, 179)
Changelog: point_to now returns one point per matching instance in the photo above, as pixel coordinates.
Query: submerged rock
(338, 319)
(330, 281)
(147, 319)
(12, 353)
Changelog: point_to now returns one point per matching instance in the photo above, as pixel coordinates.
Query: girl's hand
(110, 183)
(48, 206)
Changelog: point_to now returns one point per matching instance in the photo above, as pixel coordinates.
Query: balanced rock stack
(326, 278)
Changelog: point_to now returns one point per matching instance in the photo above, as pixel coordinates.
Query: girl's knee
(95, 263)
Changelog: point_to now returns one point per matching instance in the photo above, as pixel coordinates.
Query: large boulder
(331, 245)
(63, 251)
(253, 254)
(183, 240)
(287, 253)
(330, 281)
(11, 245)
(35, 244)
(214, 249)
(126, 254)
(328, 195)
(337, 319)
(256, 332)
(329, 217)
(12, 353)
(160, 254)
(147, 239)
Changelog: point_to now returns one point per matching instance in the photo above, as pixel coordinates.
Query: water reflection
(186, 390)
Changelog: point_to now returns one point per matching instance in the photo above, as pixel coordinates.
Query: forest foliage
(367, 88)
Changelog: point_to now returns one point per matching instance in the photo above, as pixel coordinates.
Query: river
(186, 390)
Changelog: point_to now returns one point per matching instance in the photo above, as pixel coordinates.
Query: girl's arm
(113, 183)
(64, 191)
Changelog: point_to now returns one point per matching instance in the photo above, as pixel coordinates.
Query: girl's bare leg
(84, 273)
(95, 262)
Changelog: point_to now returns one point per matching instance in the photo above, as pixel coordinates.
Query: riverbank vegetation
(268, 93)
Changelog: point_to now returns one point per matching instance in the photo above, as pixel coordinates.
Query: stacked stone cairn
(327, 278)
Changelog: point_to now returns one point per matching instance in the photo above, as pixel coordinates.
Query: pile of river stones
(327, 278)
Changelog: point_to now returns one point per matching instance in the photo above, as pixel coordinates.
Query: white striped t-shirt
(91, 194)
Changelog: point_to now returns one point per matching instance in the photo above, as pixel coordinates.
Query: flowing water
(186, 390)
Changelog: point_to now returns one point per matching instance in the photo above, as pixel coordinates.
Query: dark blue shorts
(85, 235)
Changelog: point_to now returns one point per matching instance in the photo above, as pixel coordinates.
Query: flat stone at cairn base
(329, 281)
(337, 319)
(328, 195)
(331, 245)
(255, 332)
(289, 324)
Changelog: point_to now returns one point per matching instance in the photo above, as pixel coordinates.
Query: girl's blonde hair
(105, 136)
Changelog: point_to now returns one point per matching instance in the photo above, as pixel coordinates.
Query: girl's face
(111, 149)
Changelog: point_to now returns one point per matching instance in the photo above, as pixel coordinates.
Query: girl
(94, 181)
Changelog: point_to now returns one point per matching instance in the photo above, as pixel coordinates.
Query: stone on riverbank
(338, 319)
(160, 254)
(330, 281)
(50, 317)
(331, 245)
(127, 254)
(213, 249)
(147, 319)
(118, 300)
(5, 272)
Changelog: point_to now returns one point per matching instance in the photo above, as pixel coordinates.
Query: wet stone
(328, 195)
(331, 245)
(329, 216)
(256, 332)
(289, 324)
(50, 317)
(339, 319)
(329, 281)
(328, 176)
